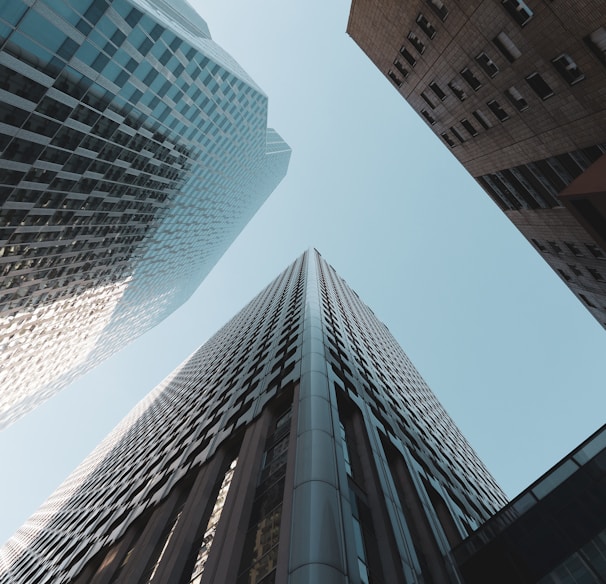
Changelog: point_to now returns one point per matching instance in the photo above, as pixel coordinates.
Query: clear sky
(513, 355)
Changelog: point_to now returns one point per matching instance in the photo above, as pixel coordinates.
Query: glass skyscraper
(133, 150)
(299, 444)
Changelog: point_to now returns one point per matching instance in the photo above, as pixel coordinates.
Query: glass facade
(133, 150)
(349, 469)
(552, 533)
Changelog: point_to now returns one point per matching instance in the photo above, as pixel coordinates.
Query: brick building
(517, 91)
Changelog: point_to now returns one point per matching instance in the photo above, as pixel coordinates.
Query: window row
(416, 42)
(536, 184)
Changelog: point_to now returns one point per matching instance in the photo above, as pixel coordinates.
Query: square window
(518, 10)
(448, 139)
(497, 110)
(409, 58)
(438, 7)
(471, 78)
(539, 86)
(487, 64)
(416, 42)
(516, 98)
(457, 134)
(568, 69)
(428, 116)
(428, 100)
(469, 127)
(457, 89)
(395, 78)
(596, 252)
(398, 65)
(437, 90)
(426, 26)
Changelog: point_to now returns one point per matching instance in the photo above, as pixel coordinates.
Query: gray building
(299, 444)
(133, 150)
(517, 91)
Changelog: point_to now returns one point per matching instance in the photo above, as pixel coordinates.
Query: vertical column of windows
(368, 560)
(260, 552)
(209, 533)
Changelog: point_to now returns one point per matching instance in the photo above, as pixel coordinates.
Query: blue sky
(512, 354)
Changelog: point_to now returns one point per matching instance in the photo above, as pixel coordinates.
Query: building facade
(133, 151)
(516, 89)
(553, 532)
(299, 444)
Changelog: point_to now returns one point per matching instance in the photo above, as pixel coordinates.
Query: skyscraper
(133, 151)
(298, 444)
(516, 90)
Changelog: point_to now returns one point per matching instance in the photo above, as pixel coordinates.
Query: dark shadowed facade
(299, 444)
(133, 150)
(554, 532)
(517, 91)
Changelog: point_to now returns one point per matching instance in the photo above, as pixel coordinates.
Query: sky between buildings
(511, 353)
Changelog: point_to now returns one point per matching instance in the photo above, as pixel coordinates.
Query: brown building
(517, 90)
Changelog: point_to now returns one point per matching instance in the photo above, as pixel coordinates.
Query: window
(448, 139)
(518, 10)
(416, 42)
(595, 251)
(487, 64)
(428, 116)
(497, 110)
(564, 275)
(426, 26)
(438, 7)
(539, 86)
(568, 69)
(394, 78)
(596, 275)
(469, 127)
(539, 245)
(479, 115)
(409, 58)
(471, 79)
(457, 134)
(555, 247)
(574, 249)
(457, 89)
(516, 98)
(507, 47)
(428, 100)
(400, 68)
(437, 90)
(597, 43)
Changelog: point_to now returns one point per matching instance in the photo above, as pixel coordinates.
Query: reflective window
(518, 10)
(539, 86)
(568, 69)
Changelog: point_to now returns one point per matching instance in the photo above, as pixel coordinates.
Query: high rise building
(553, 532)
(516, 90)
(133, 151)
(299, 444)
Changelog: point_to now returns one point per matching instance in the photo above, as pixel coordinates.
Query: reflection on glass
(211, 527)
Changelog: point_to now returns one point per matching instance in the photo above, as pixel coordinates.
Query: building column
(317, 548)
(231, 530)
(193, 521)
